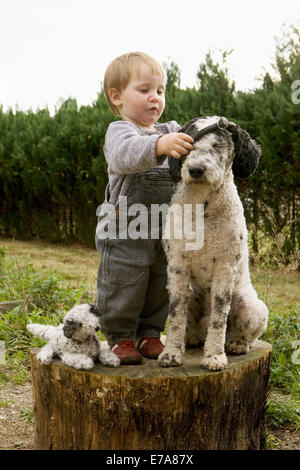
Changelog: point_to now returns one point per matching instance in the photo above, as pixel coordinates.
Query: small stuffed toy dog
(74, 341)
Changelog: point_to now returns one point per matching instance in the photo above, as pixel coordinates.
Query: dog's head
(81, 322)
(224, 148)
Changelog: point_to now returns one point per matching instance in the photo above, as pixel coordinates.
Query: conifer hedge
(53, 171)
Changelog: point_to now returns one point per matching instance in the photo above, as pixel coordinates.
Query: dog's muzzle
(196, 171)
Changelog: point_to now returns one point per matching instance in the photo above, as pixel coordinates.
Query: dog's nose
(196, 171)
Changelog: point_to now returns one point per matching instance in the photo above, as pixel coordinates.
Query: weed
(282, 410)
(4, 403)
(274, 250)
(27, 414)
(272, 442)
(282, 332)
(44, 299)
(3, 378)
(45, 291)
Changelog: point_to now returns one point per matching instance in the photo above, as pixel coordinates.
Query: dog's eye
(80, 325)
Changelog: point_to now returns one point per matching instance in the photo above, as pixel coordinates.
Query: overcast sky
(53, 49)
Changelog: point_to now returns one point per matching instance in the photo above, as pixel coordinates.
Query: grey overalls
(132, 277)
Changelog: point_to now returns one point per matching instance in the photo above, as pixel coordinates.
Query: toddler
(132, 276)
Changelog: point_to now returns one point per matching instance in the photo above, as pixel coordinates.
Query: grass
(282, 332)
(44, 297)
(49, 279)
(4, 403)
(75, 264)
(282, 411)
(27, 414)
(272, 442)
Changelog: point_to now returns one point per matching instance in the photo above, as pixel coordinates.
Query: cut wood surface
(149, 407)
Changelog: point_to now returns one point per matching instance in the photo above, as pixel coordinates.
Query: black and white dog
(212, 301)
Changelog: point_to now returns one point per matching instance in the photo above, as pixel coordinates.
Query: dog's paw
(214, 362)
(85, 363)
(236, 346)
(44, 357)
(109, 358)
(170, 359)
(114, 361)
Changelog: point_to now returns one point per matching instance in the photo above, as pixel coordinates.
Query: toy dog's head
(81, 322)
(219, 146)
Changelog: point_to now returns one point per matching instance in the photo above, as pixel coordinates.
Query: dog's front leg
(77, 361)
(172, 354)
(214, 347)
(107, 357)
(45, 355)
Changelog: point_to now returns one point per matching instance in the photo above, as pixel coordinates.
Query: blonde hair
(119, 72)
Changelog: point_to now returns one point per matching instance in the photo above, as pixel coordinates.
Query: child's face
(143, 100)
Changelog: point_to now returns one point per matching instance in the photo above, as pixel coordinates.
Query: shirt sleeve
(127, 151)
(173, 126)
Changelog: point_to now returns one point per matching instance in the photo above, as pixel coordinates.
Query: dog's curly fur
(74, 341)
(212, 301)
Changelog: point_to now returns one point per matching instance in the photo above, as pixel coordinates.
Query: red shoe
(150, 347)
(127, 352)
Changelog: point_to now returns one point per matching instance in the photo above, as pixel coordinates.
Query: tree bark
(148, 407)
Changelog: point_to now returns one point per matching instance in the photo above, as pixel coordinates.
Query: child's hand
(175, 144)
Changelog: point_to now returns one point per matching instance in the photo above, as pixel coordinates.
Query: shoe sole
(155, 356)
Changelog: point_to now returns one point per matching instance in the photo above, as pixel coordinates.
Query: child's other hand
(175, 144)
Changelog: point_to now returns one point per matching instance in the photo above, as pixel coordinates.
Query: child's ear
(115, 97)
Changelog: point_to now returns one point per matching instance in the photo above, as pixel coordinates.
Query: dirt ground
(17, 434)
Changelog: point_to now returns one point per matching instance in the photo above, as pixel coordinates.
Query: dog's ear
(175, 165)
(247, 152)
(94, 309)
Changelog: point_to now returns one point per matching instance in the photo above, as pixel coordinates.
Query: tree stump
(147, 407)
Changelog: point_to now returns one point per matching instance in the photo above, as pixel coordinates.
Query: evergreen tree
(53, 172)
